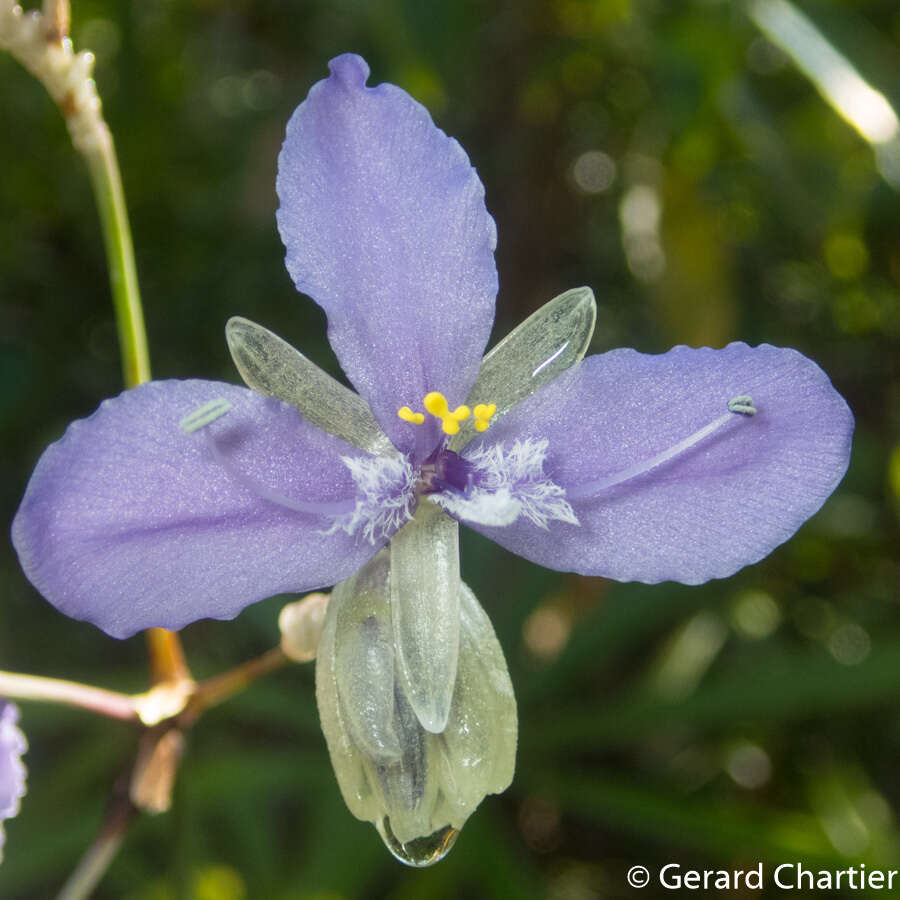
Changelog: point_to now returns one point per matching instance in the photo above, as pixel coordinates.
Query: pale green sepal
(478, 746)
(350, 766)
(425, 609)
(548, 342)
(273, 367)
(364, 660)
(474, 756)
(421, 800)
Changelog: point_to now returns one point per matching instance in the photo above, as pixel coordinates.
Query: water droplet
(420, 852)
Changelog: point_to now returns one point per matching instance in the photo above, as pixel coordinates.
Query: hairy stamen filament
(741, 406)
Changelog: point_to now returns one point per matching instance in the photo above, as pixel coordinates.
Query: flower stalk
(69, 693)
(97, 858)
(167, 662)
(219, 688)
(103, 166)
(183, 701)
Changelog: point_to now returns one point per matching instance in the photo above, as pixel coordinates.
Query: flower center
(445, 470)
(436, 404)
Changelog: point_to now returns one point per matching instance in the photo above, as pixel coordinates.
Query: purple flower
(12, 771)
(684, 466)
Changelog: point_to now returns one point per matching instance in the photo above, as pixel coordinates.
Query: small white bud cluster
(34, 40)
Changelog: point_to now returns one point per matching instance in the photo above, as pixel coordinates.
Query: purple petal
(385, 226)
(130, 523)
(12, 771)
(668, 483)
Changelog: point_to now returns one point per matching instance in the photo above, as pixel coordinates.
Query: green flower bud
(416, 787)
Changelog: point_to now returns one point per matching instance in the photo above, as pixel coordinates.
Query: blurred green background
(671, 157)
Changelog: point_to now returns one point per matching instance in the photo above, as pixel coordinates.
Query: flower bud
(416, 787)
(300, 624)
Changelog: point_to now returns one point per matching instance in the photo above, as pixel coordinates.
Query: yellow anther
(408, 415)
(436, 404)
(483, 413)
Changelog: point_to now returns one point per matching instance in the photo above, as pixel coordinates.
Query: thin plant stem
(69, 693)
(92, 867)
(182, 700)
(219, 688)
(97, 858)
(167, 662)
(107, 183)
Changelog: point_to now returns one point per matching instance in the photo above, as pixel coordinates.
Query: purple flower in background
(12, 771)
(685, 466)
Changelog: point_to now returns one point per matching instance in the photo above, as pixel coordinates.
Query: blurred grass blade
(836, 79)
(675, 819)
(622, 621)
(797, 686)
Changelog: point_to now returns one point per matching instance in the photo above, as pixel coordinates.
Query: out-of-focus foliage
(665, 154)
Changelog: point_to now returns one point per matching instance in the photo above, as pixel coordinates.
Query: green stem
(107, 184)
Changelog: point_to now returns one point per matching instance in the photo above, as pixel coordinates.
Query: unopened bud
(300, 624)
(417, 788)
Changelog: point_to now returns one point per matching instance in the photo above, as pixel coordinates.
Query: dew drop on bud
(419, 852)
